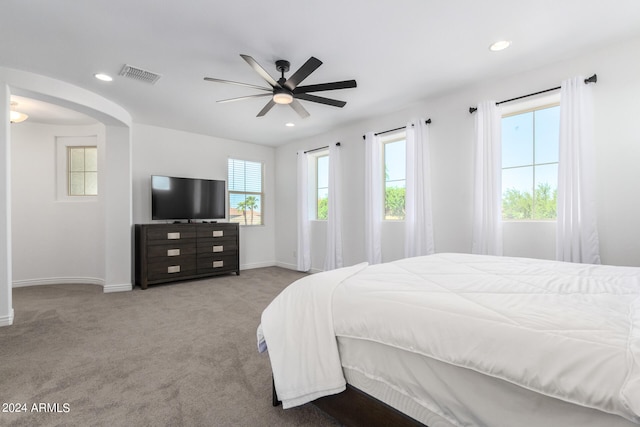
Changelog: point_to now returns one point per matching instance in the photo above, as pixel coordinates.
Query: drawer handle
(173, 236)
(218, 233)
(173, 252)
(173, 269)
(218, 248)
(218, 264)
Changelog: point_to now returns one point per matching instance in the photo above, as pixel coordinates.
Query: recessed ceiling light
(290, 125)
(103, 77)
(500, 45)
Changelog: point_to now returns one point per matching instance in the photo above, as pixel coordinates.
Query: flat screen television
(187, 198)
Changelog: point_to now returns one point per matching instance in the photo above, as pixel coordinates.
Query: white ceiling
(398, 51)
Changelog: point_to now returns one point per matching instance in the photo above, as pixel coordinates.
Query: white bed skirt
(466, 397)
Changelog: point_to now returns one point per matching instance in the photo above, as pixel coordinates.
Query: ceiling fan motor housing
(282, 65)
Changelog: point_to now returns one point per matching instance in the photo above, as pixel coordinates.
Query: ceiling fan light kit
(287, 91)
(282, 98)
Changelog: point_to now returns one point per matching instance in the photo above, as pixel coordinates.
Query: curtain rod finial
(592, 79)
(428, 121)
(472, 110)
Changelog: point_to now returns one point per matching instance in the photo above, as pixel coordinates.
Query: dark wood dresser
(172, 252)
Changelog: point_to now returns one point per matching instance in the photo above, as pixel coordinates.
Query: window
(82, 171)
(530, 146)
(395, 176)
(245, 192)
(322, 187)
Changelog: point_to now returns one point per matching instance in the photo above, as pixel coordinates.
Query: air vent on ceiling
(139, 74)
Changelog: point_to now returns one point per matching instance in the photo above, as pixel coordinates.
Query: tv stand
(181, 251)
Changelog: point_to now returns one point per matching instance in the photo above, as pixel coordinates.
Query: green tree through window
(395, 176)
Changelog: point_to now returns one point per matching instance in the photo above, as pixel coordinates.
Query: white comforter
(569, 331)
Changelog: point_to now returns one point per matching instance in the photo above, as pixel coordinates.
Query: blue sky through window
(530, 139)
(395, 163)
(323, 177)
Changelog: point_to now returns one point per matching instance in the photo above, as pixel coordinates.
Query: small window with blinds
(245, 182)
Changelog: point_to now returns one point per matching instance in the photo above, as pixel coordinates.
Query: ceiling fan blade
(258, 69)
(211, 79)
(302, 112)
(266, 108)
(346, 84)
(303, 72)
(260, 95)
(320, 100)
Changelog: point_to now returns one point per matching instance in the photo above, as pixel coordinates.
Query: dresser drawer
(217, 231)
(171, 233)
(213, 246)
(213, 263)
(176, 251)
(161, 269)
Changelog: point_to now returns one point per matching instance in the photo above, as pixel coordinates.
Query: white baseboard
(7, 320)
(287, 265)
(58, 281)
(123, 287)
(257, 265)
(295, 267)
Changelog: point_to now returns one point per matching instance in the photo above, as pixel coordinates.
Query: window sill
(525, 221)
(78, 199)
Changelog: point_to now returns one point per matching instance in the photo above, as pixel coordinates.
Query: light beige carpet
(182, 354)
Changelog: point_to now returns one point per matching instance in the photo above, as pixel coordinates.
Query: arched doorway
(116, 202)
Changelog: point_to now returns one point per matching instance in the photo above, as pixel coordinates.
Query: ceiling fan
(287, 91)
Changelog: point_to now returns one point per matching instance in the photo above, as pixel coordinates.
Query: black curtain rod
(592, 79)
(320, 148)
(428, 121)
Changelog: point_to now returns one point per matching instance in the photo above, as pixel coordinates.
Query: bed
(463, 340)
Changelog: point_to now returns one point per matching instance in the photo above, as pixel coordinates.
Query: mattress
(567, 332)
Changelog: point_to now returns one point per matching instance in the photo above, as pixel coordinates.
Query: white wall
(160, 151)
(6, 304)
(54, 240)
(617, 105)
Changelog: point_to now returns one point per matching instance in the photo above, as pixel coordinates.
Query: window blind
(245, 176)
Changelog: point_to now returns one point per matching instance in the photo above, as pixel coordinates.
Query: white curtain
(418, 217)
(487, 209)
(373, 198)
(304, 246)
(333, 258)
(576, 232)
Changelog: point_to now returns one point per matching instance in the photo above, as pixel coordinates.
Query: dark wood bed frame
(354, 407)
